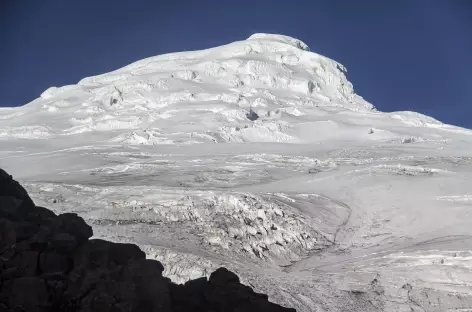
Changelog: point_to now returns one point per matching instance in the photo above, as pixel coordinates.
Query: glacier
(258, 155)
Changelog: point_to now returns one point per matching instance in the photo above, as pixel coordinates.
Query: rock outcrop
(49, 263)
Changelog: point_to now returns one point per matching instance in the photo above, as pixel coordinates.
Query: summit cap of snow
(281, 38)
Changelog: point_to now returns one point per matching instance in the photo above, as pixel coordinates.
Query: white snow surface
(259, 156)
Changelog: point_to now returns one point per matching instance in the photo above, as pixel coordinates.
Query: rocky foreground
(48, 263)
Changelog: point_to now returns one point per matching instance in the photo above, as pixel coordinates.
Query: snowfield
(259, 156)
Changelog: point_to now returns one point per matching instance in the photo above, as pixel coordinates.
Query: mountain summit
(272, 77)
(258, 156)
(281, 38)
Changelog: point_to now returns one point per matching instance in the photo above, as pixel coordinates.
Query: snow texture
(259, 156)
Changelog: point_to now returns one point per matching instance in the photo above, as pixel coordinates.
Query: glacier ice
(258, 155)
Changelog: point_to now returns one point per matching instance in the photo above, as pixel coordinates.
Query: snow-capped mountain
(258, 155)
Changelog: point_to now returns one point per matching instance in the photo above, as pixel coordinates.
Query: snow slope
(258, 155)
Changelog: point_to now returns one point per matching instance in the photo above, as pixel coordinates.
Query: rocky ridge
(49, 263)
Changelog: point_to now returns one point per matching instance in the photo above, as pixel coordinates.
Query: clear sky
(400, 54)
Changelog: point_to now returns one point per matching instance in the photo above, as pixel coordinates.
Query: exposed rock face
(48, 263)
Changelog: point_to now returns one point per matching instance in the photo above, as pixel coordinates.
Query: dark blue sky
(400, 54)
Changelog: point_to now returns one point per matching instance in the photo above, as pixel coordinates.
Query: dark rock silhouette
(48, 263)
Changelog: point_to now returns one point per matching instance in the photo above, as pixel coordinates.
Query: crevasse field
(258, 156)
